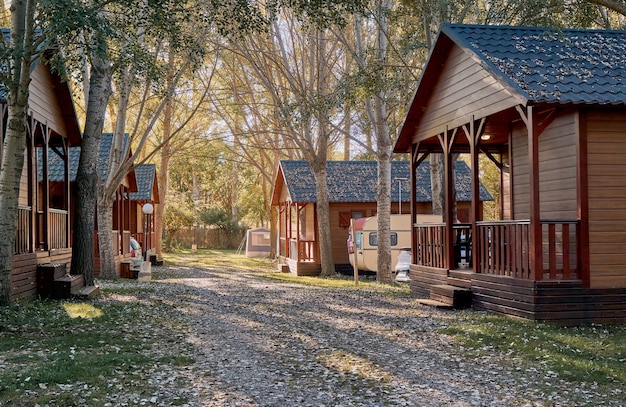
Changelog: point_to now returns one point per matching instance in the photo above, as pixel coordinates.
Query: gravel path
(265, 343)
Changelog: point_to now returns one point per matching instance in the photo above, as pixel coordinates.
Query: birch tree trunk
(87, 174)
(22, 13)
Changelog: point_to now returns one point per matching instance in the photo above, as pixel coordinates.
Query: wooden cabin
(352, 187)
(43, 230)
(142, 225)
(138, 187)
(548, 107)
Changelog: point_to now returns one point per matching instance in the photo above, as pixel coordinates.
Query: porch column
(448, 168)
(68, 195)
(473, 134)
(413, 168)
(33, 188)
(536, 261)
(46, 185)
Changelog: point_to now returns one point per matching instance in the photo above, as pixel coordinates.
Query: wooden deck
(562, 302)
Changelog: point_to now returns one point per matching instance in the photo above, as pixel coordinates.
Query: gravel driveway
(257, 342)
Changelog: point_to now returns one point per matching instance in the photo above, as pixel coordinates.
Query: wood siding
(606, 132)
(557, 168)
(43, 103)
(464, 88)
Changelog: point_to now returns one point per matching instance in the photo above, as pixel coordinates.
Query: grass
(60, 352)
(592, 354)
(219, 259)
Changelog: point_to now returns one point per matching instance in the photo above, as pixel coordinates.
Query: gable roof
(60, 89)
(147, 186)
(548, 65)
(55, 163)
(357, 181)
(533, 65)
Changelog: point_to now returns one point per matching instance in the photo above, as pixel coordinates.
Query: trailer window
(359, 239)
(374, 239)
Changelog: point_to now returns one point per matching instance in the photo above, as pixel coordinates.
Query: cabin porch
(497, 272)
(300, 256)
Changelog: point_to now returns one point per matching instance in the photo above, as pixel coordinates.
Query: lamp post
(400, 194)
(147, 209)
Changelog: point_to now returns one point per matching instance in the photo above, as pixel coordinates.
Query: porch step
(456, 297)
(68, 285)
(433, 303)
(283, 268)
(89, 291)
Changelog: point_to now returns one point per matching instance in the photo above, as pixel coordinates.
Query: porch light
(485, 137)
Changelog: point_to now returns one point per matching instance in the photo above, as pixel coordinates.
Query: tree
(18, 53)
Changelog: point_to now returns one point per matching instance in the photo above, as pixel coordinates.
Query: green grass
(591, 354)
(52, 351)
(219, 260)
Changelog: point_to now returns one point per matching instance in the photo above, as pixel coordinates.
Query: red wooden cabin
(44, 222)
(352, 194)
(549, 108)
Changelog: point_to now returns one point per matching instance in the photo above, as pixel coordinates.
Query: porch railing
(58, 229)
(302, 250)
(431, 244)
(22, 236)
(503, 248)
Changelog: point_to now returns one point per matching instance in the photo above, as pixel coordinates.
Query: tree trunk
(323, 220)
(383, 155)
(159, 210)
(436, 183)
(383, 193)
(15, 137)
(105, 238)
(87, 175)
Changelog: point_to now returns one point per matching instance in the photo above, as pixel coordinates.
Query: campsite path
(257, 342)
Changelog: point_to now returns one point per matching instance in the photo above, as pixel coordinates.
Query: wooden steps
(68, 285)
(434, 304)
(455, 297)
(89, 291)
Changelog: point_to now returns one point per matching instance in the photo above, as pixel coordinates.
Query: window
(374, 239)
(344, 217)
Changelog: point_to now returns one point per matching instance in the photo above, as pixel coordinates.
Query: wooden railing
(431, 245)
(503, 248)
(22, 236)
(302, 250)
(58, 229)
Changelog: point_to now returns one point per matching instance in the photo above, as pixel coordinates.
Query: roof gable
(357, 181)
(147, 190)
(512, 66)
(550, 65)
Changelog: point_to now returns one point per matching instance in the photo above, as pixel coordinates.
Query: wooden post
(356, 266)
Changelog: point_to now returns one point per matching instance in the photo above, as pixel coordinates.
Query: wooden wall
(43, 103)
(557, 168)
(24, 272)
(464, 88)
(606, 149)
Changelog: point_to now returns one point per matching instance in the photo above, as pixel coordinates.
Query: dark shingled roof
(551, 65)
(357, 181)
(144, 173)
(55, 164)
